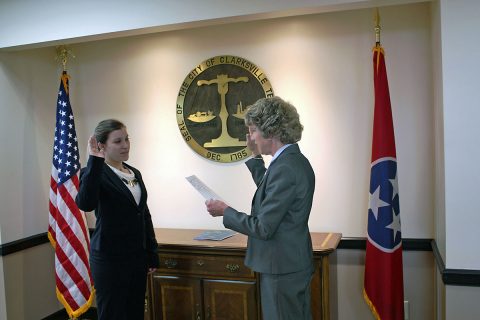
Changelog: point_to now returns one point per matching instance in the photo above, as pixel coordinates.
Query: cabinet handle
(198, 315)
(200, 263)
(171, 263)
(232, 267)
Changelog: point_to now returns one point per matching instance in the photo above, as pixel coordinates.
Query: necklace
(132, 183)
(125, 176)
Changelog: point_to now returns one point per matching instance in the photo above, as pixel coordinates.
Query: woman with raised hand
(123, 245)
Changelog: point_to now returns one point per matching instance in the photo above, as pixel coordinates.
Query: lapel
(290, 149)
(261, 186)
(143, 196)
(120, 186)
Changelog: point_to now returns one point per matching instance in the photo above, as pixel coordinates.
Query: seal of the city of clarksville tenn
(211, 106)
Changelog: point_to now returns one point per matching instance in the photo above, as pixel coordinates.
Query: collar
(279, 151)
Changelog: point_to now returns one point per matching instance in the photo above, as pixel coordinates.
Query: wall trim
(90, 314)
(457, 277)
(409, 244)
(23, 244)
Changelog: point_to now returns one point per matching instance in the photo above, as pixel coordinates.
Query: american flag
(383, 283)
(67, 228)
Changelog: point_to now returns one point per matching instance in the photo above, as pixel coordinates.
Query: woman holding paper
(123, 245)
(279, 243)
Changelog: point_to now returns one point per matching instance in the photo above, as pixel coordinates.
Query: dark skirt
(120, 284)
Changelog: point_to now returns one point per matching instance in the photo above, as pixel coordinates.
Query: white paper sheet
(203, 189)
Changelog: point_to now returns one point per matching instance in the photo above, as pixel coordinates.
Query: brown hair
(275, 117)
(104, 128)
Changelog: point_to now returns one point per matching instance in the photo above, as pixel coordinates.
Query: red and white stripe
(69, 236)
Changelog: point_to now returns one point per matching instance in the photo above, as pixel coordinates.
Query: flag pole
(377, 28)
(63, 53)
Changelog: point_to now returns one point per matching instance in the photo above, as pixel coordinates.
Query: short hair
(104, 128)
(275, 117)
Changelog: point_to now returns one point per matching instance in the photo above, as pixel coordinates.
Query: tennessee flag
(383, 283)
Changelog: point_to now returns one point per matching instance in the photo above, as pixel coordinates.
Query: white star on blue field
(384, 208)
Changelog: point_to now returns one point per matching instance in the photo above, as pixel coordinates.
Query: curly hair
(275, 117)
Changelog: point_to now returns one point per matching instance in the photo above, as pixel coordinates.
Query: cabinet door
(176, 298)
(230, 300)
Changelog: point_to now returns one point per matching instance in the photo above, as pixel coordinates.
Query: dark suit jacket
(123, 228)
(278, 236)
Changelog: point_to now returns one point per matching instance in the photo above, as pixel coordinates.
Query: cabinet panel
(176, 298)
(215, 265)
(232, 300)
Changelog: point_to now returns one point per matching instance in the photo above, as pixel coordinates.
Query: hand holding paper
(215, 204)
(215, 207)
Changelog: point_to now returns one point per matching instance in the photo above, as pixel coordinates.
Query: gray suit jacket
(278, 236)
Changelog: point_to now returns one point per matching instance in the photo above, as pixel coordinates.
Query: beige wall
(30, 284)
(460, 96)
(26, 139)
(3, 304)
(321, 63)
(313, 61)
(347, 269)
(461, 114)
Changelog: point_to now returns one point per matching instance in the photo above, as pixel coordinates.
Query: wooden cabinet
(192, 284)
(208, 280)
(191, 298)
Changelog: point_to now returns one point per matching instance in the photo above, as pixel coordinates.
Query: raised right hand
(252, 146)
(94, 149)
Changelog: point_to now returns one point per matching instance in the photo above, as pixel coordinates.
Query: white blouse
(130, 181)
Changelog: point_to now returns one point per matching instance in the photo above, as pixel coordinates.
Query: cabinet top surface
(321, 241)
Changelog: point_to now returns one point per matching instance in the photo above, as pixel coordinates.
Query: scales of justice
(224, 140)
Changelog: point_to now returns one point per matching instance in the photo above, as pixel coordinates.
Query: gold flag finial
(63, 53)
(377, 27)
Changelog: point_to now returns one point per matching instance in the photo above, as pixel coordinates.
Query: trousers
(286, 296)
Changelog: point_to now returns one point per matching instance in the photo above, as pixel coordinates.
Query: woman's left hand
(152, 270)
